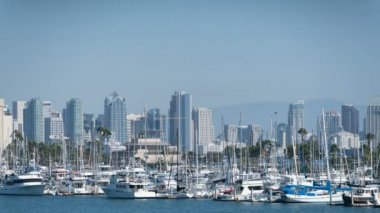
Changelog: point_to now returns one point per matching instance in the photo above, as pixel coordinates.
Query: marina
(189, 106)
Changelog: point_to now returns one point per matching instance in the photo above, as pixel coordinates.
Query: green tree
(334, 150)
(303, 133)
(370, 137)
(103, 133)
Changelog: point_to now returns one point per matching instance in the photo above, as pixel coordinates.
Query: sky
(221, 52)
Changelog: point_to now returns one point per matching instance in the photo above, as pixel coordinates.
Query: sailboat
(314, 194)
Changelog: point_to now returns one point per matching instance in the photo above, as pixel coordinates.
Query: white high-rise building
(7, 130)
(54, 128)
(115, 117)
(47, 109)
(333, 124)
(203, 126)
(254, 134)
(231, 133)
(6, 126)
(295, 121)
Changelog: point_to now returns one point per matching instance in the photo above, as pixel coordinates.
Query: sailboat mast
(326, 146)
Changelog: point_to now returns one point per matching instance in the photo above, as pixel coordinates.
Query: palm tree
(103, 133)
(303, 133)
(369, 136)
(18, 135)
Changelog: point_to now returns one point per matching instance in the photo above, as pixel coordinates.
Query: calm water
(101, 204)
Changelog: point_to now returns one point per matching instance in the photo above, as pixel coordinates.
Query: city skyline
(222, 53)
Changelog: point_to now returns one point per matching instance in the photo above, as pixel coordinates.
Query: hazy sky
(222, 52)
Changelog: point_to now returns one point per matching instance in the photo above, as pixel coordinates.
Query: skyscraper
(115, 117)
(243, 134)
(134, 126)
(350, 119)
(180, 121)
(254, 133)
(18, 115)
(203, 127)
(33, 121)
(47, 109)
(7, 128)
(73, 121)
(155, 124)
(230, 133)
(54, 128)
(333, 123)
(373, 119)
(295, 121)
(2, 106)
(281, 135)
(88, 127)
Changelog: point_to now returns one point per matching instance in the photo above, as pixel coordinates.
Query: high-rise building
(180, 122)
(6, 126)
(139, 127)
(54, 128)
(203, 127)
(295, 121)
(281, 135)
(115, 117)
(2, 106)
(2, 135)
(373, 119)
(99, 121)
(155, 124)
(333, 123)
(18, 115)
(242, 134)
(89, 133)
(254, 134)
(47, 109)
(350, 119)
(73, 121)
(135, 127)
(230, 133)
(33, 121)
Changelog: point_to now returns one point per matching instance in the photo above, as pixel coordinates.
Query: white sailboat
(314, 194)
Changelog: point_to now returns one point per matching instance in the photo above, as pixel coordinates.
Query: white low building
(346, 140)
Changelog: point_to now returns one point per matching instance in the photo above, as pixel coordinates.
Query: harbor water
(94, 204)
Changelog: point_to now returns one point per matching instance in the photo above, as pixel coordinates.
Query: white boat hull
(113, 193)
(291, 198)
(37, 189)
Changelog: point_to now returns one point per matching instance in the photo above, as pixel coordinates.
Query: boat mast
(326, 146)
(295, 156)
